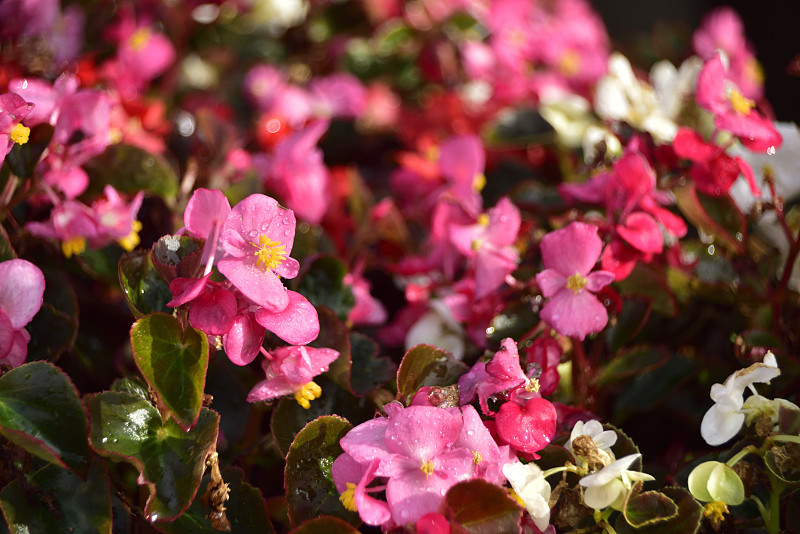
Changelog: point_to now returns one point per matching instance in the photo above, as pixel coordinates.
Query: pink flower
(339, 95)
(367, 310)
(291, 371)
(546, 354)
(13, 109)
(489, 244)
(568, 256)
(257, 236)
(204, 216)
(502, 373)
(70, 222)
(733, 111)
(21, 292)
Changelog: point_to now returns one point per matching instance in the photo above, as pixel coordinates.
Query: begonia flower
(733, 111)
(725, 418)
(545, 353)
(204, 216)
(290, 371)
(527, 424)
(568, 256)
(609, 486)
(602, 439)
(13, 109)
(70, 222)
(351, 480)
(257, 236)
(116, 219)
(501, 373)
(367, 310)
(489, 244)
(532, 489)
(21, 292)
(488, 458)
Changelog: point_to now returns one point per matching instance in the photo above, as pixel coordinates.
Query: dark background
(649, 30)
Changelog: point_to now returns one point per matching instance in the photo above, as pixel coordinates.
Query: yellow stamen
(479, 182)
(513, 495)
(433, 153)
(270, 253)
(20, 134)
(569, 63)
(75, 245)
(477, 457)
(532, 385)
(715, 513)
(138, 40)
(740, 103)
(348, 497)
(483, 219)
(307, 393)
(130, 241)
(576, 282)
(427, 468)
(754, 71)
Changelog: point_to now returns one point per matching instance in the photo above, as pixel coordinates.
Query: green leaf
(310, 491)
(59, 501)
(637, 360)
(22, 159)
(335, 335)
(634, 315)
(245, 509)
(644, 281)
(144, 289)
(130, 169)
(686, 521)
(515, 320)
(174, 363)
(368, 370)
(133, 386)
(716, 216)
(649, 388)
(426, 365)
(289, 418)
(55, 328)
(102, 263)
(783, 461)
(40, 411)
(323, 285)
(171, 461)
(648, 508)
(6, 250)
(481, 508)
(325, 525)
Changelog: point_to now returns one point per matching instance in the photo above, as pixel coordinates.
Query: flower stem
(741, 454)
(773, 521)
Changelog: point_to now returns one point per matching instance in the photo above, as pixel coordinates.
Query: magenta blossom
(257, 236)
(569, 255)
(502, 373)
(205, 214)
(291, 371)
(21, 292)
(13, 109)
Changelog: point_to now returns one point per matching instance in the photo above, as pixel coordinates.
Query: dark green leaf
(648, 508)
(289, 418)
(171, 461)
(133, 386)
(55, 328)
(23, 158)
(650, 388)
(646, 282)
(335, 335)
(323, 285)
(687, 520)
(634, 314)
(40, 411)
(637, 360)
(130, 169)
(174, 362)
(716, 216)
(144, 289)
(102, 263)
(426, 365)
(368, 370)
(515, 320)
(624, 446)
(59, 501)
(245, 509)
(479, 507)
(325, 525)
(310, 491)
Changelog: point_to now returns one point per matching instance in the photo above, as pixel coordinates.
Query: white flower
(608, 486)
(603, 439)
(620, 96)
(437, 327)
(530, 485)
(724, 420)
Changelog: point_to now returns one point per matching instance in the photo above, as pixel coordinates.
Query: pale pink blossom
(21, 291)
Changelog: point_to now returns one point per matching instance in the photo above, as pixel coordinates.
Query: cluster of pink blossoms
(250, 245)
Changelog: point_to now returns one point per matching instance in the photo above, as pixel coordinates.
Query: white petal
(720, 424)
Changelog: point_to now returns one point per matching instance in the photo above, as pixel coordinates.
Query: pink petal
(19, 349)
(297, 323)
(690, 145)
(346, 469)
(7, 332)
(504, 366)
(747, 172)
(257, 215)
(574, 249)
(710, 91)
(366, 441)
(371, 510)
(641, 231)
(422, 432)
(213, 311)
(243, 341)
(271, 389)
(21, 291)
(504, 223)
(492, 265)
(186, 290)
(261, 286)
(550, 281)
(206, 207)
(598, 280)
(575, 315)
(462, 158)
(527, 428)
